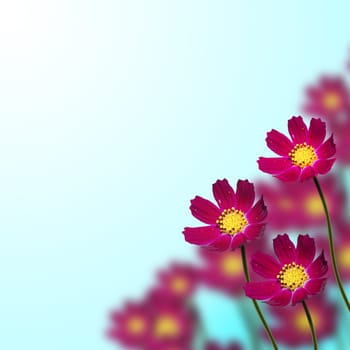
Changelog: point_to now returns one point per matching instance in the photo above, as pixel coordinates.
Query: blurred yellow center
(344, 256)
(232, 221)
(331, 101)
(179, 284)
(301, 323)
(313, 205)
(166, 327)
(135, 325)
(292, 276)
(231, 265)
(302, 155)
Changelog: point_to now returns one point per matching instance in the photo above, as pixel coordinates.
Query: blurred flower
(291, 279)
(155, 324)
(329, 99)
(230, 224)
(178, 281)
(216, 346)
(131, 326)
(342, 247)
(222, 271)
(293, 328)
(173, 323)
(299, 206)
(303, 157)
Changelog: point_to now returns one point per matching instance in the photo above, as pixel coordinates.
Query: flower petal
(307, 173)
(297, 129)
(224, 194)
(315, 285)
(280, 299)
(261, 290)
(201, 235)
(290, 175)
(245, 195)
(204, 210)
(222, 243)
(284, 249)
(317, 132)
(327, 149)
(237, 240)
(265, 265)
(254, 230)
(323, 166)
(299, 295)
(318, 268)
(306, 249)
(278, 143)
(274, 165)
(257, 213)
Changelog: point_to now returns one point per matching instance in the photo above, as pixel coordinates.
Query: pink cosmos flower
(131, 325)
(291, 279)
(156, 323)
(329, 99)
(179, 281)
(222, 271)
(302, 157)
(230, 224)
(299, 206)
(292, 327)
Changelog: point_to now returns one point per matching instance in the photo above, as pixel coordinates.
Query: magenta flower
(291, 279)
(330, 99)
(302, 157)
(230, 224)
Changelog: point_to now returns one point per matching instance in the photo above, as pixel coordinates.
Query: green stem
(331, 244)
(257, 308)
(250, 324)
(312, 328)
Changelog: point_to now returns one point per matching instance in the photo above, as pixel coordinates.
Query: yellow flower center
(313, 205)
(302, 324)
(179, 284)
(166, 327)
(135, 325)
(292, 276)
(344, 256)
(231, 265)
(302, 155)
(331, 101)
(232, 221)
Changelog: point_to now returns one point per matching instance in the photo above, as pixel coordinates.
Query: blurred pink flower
(131, 325)
(298, 205)
(178, 281)
(155, 324)
(329, 99)
(222, 271)
(293, 328)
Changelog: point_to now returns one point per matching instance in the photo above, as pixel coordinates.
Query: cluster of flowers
(167, 318)
(283, 273)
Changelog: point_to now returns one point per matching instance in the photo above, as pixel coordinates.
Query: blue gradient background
(113, 115)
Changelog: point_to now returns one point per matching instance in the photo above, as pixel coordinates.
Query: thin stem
(312, 328)
(250, 324)
(257, 308)
(331, 244)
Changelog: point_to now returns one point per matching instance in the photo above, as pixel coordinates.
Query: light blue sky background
(113, 115)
